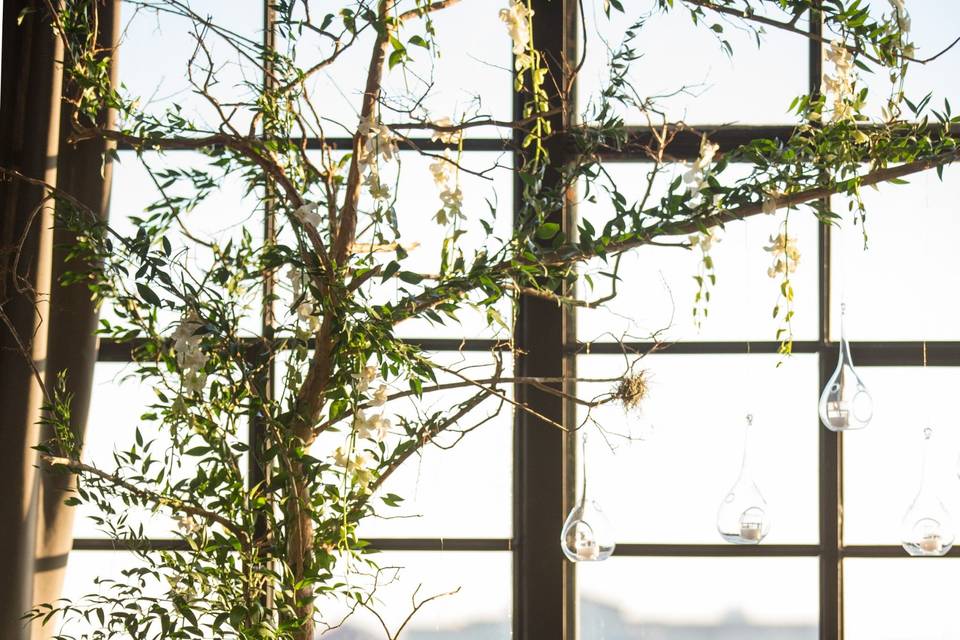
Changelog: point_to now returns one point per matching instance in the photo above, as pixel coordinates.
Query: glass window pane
(699, 599)
(657, 288)
(901, 287)
(882, 463)
(223, 215)
(480, 608)
(667, 488)
(933, 26)
(900, 599)
(161, 82)
(455, 488)
(459, 486)
(119, 399)
(472, 43)
(686, 65)
(486, 199)
(83, 568)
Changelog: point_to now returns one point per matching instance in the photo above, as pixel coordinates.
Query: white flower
(187, 524)
(696, 176)
(361, 460)
(307, 214)
(446, 137)
(786, 255)
(452, 199)
(704, 240)
(380, 396)
(305, 310)
(378, 190)
(442, 170)
(296, 281)
(517, 18)
(363, 477)
(841, 84)
(451, 196)
(194, 381)
(360, 423)
(770, 205)
(381, 426)
(901, 15)
(364, 378)
(341, 458)
(190, 357)
(378, 140)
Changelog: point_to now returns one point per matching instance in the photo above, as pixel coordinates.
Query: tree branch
(174, 504)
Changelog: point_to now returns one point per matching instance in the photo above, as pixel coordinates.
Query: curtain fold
(50, 324)
(85, 173)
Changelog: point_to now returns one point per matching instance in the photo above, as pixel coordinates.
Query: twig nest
(632, 390)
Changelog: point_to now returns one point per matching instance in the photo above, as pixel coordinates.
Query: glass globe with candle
(927, 528)
(587, 535)
(744, 517)
(845, 404)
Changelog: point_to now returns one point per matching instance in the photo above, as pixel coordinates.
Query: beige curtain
(52, 324)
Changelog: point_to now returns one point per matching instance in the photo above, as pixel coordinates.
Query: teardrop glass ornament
(927, 528)
(587, 535)
(845, 404)
(744, 517)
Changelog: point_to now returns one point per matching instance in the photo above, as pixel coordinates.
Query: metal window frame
(543, 583)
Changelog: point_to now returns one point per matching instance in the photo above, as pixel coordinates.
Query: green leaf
(410, 277)
(148, 295)
(548, 230)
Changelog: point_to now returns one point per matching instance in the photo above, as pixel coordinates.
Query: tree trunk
(300, 549)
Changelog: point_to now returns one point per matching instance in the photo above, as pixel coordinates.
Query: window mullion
(830, 443)
(542, 601)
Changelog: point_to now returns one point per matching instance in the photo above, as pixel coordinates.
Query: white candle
(587, 548)
(931, 543)
(750, 531)
(838, 417)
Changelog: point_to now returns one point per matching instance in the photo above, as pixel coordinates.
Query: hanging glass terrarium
(743, 517)
(927, 528)
(845, 403)
(587, 535)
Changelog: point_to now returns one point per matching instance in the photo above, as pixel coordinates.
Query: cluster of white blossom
(451, 197)
(840, 83)
(771, 202)
(374, 426)
(900, 15)
(188, 524)
(786, 256)
(306, 310)
(377, 142)
(696, 177)
(446, 137)
(190, 357)
(358, 466)
(307, 213)
(704, 240)
(517, 17)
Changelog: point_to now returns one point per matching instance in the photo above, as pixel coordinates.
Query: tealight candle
(587, 549)
(750, 531)
(839, 418)
(930, 543)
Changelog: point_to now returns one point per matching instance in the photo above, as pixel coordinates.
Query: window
(831, 568)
